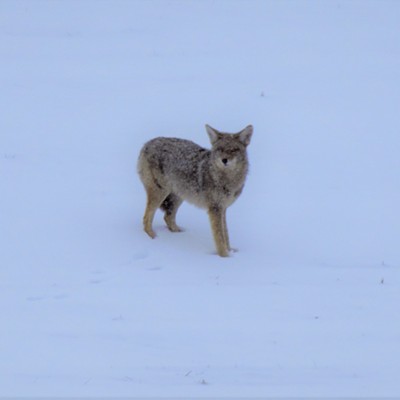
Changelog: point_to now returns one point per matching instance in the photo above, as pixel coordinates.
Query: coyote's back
(173, 170)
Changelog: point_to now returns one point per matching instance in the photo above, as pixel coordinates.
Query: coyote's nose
(225, 161)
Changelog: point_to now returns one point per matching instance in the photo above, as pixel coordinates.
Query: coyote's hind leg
(170, 206)
(155, 197)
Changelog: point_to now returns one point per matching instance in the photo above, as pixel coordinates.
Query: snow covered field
(90, 305)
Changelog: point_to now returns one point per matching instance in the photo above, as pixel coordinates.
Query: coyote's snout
(173, 170)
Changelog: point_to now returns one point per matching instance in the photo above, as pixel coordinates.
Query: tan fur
(173, 170)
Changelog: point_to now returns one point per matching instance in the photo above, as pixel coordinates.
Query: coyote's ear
(245, 135)
(212, 133)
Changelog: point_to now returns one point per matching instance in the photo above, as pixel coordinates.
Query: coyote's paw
(151, 233)
(175, 228)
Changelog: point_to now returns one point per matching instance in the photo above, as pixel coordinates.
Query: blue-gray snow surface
(90, 305)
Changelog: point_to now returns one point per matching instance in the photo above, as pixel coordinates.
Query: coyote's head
(229, 149)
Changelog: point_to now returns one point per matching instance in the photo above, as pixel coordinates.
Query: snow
(91, 306)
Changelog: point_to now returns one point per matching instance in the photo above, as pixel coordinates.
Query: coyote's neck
(229, 180)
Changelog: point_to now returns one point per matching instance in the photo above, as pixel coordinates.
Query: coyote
(173, 170)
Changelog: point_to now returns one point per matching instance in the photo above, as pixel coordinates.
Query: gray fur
(173, 170)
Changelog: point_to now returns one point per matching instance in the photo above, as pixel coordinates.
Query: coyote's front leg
(218, 227)
(228, 244)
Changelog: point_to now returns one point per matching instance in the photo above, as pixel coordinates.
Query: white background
(90, 305)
